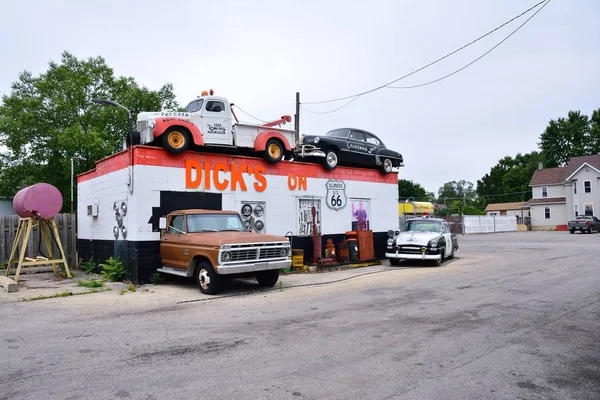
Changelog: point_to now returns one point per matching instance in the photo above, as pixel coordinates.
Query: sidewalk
(45, 286)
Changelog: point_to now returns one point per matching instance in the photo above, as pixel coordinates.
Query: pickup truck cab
(584, 223)
(213, 245)
(422, 239)
(208, 121)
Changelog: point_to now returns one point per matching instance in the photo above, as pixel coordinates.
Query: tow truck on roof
(208, 121)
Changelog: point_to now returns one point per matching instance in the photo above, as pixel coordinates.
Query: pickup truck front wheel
(207, 279)
(268, 278)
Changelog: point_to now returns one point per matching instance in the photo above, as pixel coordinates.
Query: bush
(113, 270)
(157, 278)
(89, 266)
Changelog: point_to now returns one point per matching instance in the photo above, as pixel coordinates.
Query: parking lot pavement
(517, 316)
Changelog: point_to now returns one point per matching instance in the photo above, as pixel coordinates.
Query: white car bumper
(422, 256)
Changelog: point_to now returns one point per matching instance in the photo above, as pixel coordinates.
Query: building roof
(548, 176)
(547, 200)
(504, 206)
(576, 162)
(558, 175)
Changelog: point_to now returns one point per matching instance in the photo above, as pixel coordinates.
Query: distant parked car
(351, 147)
(584, 223)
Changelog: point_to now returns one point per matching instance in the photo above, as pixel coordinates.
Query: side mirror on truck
(162, 223)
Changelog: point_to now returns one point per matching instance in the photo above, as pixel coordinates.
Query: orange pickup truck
(214, 245)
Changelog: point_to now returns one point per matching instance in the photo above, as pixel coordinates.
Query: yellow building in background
(415, 207)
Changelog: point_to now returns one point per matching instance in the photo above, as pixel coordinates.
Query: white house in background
(560, 194)
(518, 209)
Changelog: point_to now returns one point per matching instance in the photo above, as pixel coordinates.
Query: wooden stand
(26, 225)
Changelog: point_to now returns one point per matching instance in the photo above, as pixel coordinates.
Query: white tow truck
(208, 121)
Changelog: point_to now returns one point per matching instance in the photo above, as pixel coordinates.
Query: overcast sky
(260, 53)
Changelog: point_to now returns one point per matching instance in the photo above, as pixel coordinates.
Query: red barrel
(41, 199)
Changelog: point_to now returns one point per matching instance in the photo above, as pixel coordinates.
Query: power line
(250, 115)
(475, 60)
(430, 64)
(461, 198)
(330, 111)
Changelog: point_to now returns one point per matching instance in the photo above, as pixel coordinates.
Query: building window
(305, 218)
(544, 191)
(588, 209)
(547, 212)
(574, 187)
(576, 210)
(587, 187)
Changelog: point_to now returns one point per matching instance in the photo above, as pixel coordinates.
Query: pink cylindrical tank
(41, 199)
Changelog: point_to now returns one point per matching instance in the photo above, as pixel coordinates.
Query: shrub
(113, 270)
(89, 266)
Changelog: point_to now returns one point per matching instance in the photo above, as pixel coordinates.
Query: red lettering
(261, 182)
(191, 183)
(292, 182)
(207, 174)
(236, 177)
(302, 184)
(218, 184)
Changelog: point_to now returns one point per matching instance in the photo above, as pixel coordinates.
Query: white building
(120, 202)
(560, 194)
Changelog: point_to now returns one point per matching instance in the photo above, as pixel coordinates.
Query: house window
(587, 187)
(588, 209)
(544, 191)
(547, 212)
(574, 187)
(576, 210)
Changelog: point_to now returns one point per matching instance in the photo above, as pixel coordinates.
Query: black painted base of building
(142, 259)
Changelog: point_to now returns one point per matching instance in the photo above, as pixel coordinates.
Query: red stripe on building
(158, 157)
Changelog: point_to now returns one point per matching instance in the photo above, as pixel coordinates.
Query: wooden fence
(67, 227)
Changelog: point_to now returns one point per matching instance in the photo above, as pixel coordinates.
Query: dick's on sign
(336, 194)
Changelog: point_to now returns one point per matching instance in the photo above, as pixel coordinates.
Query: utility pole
(297, 116)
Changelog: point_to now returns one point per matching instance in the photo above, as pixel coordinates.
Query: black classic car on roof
(352, 147)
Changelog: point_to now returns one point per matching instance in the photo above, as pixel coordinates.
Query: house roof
(576, 163)
(548, 176)
(504, 206)
(547, 200)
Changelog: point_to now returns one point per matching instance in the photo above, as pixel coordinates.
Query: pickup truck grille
(243, 255)
(256, 251)
(141, 125)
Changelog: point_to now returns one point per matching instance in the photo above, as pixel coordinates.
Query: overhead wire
(357, 95)
(475, 60)
(250, 115)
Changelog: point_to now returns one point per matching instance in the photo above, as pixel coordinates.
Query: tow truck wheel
(331, 159)
(386, 166)
(268, 278)
(176, 140)
(274, 151)
(394, 262)
(207, 279)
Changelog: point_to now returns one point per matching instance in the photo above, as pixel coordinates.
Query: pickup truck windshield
(423, 226)
(214, 223)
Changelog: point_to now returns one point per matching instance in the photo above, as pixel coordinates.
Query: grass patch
(65, 293)
(157, 278)
(130, 288)
(91, 283)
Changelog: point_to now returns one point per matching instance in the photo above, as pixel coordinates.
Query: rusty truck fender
(164, 123)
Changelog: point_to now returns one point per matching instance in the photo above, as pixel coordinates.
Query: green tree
(568, 137)
(457, 190)
(48, 119)
(408, 189)
(508, 180)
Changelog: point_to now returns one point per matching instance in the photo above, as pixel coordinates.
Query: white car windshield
(214, 223)
(423, 226)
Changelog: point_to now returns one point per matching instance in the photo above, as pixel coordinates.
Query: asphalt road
(517, 316)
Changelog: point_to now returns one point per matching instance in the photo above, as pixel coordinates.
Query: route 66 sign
(336, 194)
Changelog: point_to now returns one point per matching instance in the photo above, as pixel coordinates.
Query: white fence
(489, 223)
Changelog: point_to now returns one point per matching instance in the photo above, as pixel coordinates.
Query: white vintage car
(422, 239)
